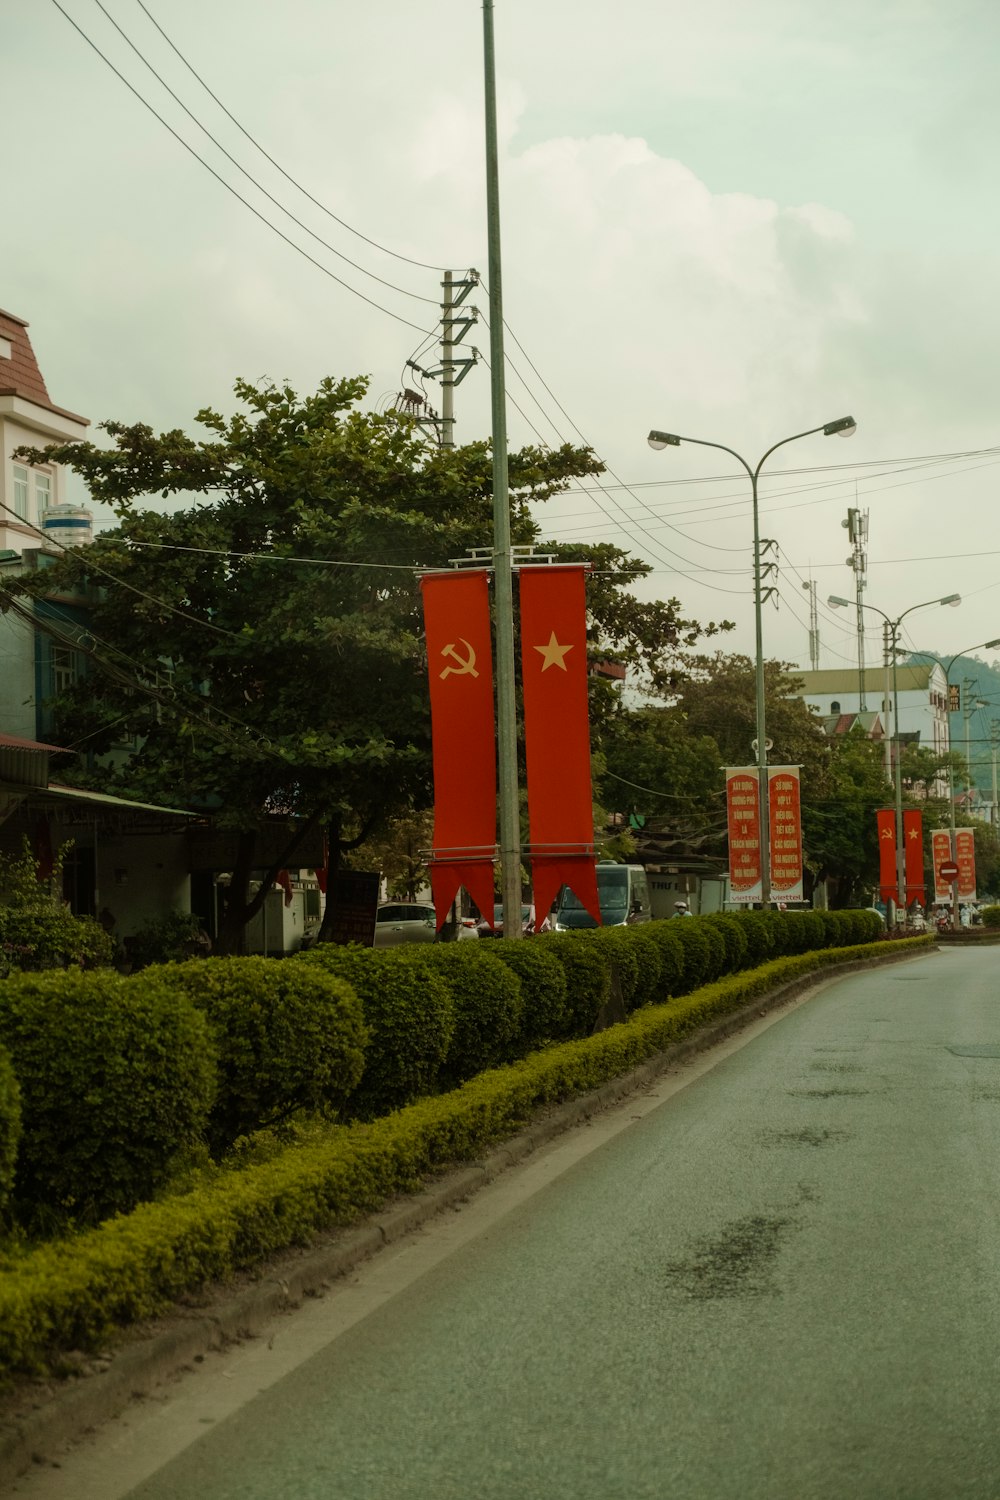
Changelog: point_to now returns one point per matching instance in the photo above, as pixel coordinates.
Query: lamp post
(893, 642)
(845, 427)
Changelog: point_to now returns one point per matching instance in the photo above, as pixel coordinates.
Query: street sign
(949, 870)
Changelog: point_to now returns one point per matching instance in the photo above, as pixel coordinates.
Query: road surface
(774, 1276)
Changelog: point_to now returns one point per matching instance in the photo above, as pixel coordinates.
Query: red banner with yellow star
(886, 853)
(460, 667)
(913, 843)
(557, 734)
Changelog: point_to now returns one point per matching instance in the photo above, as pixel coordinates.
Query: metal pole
(765, 818)
(888, 739)
(994, 745)
(448, 363)
(900, 851)
(510, 830)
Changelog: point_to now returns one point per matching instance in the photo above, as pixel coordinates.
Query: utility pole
(885, 704)
(452, 370)
(994, 747)
(503, 575)
(813, 625)
(856, 526)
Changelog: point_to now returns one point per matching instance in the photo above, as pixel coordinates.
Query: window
(20, 506)
(43, 492)
(65, 668)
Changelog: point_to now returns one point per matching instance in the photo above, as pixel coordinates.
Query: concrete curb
(147, 1359)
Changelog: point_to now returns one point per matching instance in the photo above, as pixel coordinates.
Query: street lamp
(844, 427)
(950, 599)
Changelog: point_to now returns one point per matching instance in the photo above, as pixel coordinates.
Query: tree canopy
(261, 642)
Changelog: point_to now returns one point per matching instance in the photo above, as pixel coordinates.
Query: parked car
(404, 922)
(527, 922)
(413, 922)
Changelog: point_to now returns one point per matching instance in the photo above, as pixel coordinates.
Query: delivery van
(623, 893)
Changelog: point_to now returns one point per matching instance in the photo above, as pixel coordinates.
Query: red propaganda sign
(965, 858)
(557, 734)
(886, 853)
(943, 864)
(913, 844)
(785, 825)
(743, 814)
(460, 667)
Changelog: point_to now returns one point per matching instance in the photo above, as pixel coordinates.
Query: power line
(228, 186)
(422, 265)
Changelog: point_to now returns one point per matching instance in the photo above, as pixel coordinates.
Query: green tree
(263, 644)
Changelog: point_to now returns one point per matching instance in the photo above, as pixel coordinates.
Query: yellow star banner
(913, 843)
(557, 733)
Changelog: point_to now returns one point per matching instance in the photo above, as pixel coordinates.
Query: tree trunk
(232, 938)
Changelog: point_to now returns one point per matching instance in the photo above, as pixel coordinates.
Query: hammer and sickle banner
(460, 665)
(743, 817)
(913, 843)
(785, 827)
(557, 734)
(886, 853)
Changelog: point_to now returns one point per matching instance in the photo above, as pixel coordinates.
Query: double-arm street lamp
(845, 427)
(892, 645)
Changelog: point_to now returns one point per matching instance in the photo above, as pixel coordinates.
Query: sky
(731, 222)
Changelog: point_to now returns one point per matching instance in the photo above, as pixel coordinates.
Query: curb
(137, 1367)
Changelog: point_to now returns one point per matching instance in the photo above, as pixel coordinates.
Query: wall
(141, 876)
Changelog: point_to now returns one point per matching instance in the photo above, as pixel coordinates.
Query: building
(923, 700)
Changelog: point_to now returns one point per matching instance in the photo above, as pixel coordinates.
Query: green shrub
(718, 953)
(169, 939)
(488, 1005)
(10, 1129)
(650, 959)
(671, 950)
(115, 1081)
(588, 978)
(543, 990)
(72, 1294)
(805, 930)
(36, 929)
(409, 1014)
(760, 938)
(287, 1037)
(698, 955)
(991, 916)
(732, 932)
(624, 960)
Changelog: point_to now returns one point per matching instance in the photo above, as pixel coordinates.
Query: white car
(412, 922)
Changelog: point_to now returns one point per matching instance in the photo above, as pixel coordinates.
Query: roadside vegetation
(161, 1131)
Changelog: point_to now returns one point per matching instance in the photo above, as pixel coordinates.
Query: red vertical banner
(886, 853)
(460, 667)
(557, 734)
(941, 855)
(913, 843)
(743, 816)
(965, 858)
(785, 827)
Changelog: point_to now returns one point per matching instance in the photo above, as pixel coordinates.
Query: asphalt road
(777, 1276)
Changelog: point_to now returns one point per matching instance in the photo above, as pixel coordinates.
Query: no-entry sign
(948, 870)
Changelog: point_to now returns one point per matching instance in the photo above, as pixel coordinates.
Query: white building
(922, 692)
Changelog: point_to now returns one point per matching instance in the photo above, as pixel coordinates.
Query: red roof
(11, 742)
(20, 375)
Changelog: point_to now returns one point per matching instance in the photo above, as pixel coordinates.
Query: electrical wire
(422, 265)
(228, 186)
(248, 175)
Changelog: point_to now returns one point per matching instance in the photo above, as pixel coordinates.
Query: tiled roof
(20, 375)
(12, 742)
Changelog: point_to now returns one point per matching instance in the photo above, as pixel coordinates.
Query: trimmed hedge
(49, 937)
(10, 1129)
(488, 1006)
(115, 1081)
(698, 952)
(287, 1037)
(543, 990)
(409, 1014)
(588, 978)
(72, 1294)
